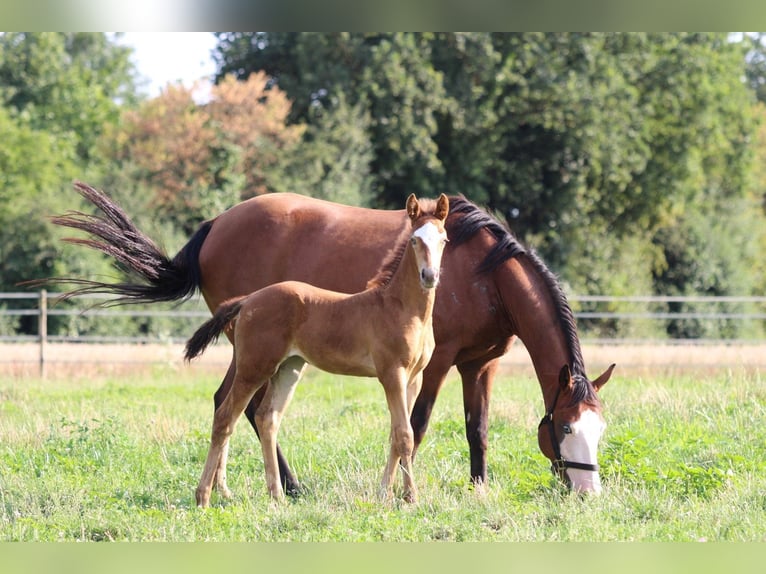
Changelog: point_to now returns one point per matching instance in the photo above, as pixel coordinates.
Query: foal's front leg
(402, 441)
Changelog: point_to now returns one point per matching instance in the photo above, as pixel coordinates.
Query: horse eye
(413, 240)
(566, 429)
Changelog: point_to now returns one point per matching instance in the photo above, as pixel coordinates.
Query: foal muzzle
(429, 278)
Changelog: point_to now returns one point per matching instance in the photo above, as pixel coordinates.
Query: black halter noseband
(560, 464)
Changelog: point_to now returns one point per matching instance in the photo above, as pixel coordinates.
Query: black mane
(464, 221)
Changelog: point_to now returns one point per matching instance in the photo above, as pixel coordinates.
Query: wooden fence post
(43, 329)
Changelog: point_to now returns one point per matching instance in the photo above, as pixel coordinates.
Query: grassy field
(117, 457)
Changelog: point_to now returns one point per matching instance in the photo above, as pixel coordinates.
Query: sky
(163, 57)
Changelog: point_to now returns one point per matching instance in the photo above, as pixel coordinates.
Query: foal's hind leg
(223, 424)
(218, 398)
(268, 417)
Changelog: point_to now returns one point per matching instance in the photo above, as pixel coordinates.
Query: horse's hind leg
(223, 424)
(268, 417)
(289, 482)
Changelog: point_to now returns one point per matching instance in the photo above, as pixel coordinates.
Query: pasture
(98, 456)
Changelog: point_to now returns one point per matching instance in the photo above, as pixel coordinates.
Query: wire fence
(42, 319)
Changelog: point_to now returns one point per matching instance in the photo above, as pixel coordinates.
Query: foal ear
(601, 381)
(442, 207)
(413, 207)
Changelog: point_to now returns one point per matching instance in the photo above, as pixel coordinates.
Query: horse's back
(283, 236)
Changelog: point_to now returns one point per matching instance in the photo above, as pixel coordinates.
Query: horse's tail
(212, 328)
(157, 277)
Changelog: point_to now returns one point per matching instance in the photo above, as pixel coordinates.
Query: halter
(560, 464)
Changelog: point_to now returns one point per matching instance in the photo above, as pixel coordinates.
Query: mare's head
(428, 237)
(571, 429)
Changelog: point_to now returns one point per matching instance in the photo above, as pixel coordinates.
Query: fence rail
(43, 306)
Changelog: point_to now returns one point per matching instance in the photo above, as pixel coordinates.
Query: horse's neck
(534, 319)
(404, 287)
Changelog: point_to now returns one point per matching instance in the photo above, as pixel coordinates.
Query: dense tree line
(634, 163)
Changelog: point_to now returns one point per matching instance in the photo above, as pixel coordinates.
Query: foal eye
(413, 240)
(566, 429)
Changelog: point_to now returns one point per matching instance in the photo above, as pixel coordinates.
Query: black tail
(212, 328)
(158, 278)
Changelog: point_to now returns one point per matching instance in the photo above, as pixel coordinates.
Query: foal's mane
(394, 256)
(464, 221)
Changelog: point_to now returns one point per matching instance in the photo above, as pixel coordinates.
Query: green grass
(684, 459)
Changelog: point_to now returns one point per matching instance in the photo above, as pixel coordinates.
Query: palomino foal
(384, 331)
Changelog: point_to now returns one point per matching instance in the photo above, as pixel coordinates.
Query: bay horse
(384, 331)
(492, 291)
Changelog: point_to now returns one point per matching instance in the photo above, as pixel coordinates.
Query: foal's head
(428, 238)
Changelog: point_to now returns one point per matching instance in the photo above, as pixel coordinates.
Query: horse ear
(413, 207)
(442, 207)
(565, 377)
(601, 381)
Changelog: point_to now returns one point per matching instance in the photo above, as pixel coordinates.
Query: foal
(384, 331)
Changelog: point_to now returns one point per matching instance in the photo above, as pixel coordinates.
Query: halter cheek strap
(560, 464)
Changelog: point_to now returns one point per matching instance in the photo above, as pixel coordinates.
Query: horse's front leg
(432, 381)
(477, 386)
(401, 437)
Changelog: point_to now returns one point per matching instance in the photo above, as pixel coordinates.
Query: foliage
(756, 64)
(69, 84)
(194, 160)
(58, 93)
(32, 164)
(332, 161)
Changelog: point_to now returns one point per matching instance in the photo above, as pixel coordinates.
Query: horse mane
(464, 221)
(394, 257)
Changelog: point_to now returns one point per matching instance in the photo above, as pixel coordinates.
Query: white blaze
(431, 236)
(581, 446)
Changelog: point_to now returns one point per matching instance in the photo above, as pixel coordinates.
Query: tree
(58, 93)
(194, 160)
(70, 84)
(756, 64)
(386, 75)
(32, 165)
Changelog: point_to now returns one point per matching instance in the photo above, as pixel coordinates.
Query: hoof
(411, 497)
(224, 492)
(203, 498)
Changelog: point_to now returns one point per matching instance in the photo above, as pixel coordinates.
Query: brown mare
(384, 331)
(491, 291)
